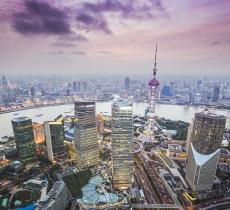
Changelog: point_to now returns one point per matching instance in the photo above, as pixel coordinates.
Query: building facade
(127, 83)
(54, 133)
(207, 133)
(85, 135)
(39, 134)
(57, 198)
(122, 145)
(203, 143)
(24, 138)
(216, 93)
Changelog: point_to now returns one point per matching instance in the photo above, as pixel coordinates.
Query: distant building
(100, 123)
(39, 135)
(199, 85)
(32, 92)
(78, 85)
(24, 138)
(226, 92)
(85, 85)
(127, 83)
(216, 93)
(175, 151)
(57, 199)
(224, 157)
(74, 86)
(166, 90)
(4, 82)
(54, 133)
(122, 145)
(204, 142)
(85, 137)
(197, 98)
(68, 92)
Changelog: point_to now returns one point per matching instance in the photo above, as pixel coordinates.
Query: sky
(114, 36)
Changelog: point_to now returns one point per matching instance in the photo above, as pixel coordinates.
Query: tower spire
(155, 63)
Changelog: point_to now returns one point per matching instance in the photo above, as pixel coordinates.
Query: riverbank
(47, 113)
(219, 107)
(33, 107)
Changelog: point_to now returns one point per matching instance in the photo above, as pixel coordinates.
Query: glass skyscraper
(85, 135)
(54, 133)
(24, 138)
(122, 145)
(203, 143)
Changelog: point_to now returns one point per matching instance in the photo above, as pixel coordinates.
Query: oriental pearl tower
(153, 84)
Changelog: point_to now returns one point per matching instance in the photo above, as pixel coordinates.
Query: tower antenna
(155, 63)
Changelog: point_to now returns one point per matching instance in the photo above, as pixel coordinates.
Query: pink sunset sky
(114, 36)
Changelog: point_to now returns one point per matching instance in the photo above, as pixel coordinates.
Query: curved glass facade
(94, 193)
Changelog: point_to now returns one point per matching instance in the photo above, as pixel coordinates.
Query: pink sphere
(154, 82)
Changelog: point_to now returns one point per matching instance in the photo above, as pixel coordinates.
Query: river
(172, 112)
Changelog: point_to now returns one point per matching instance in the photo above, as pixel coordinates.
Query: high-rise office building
(216, 93)
(204, 142)
(4, 82)
(78, 85)
(24, 138)
(39, 135)
(226, 92)
(166, 90)
(85, 136)
(32, 91)
(127, 83)
(54, 133)
(74, 86)
(85, 85)
(68, 92)
(122, 145)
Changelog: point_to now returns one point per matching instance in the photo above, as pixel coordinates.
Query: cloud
(40, 18)
(138, 10)
(73, 38)
(105, 52)
(60, 52)
(79, 53)
(216, 43)
(62, 44)
(92, 22)
(92, 16)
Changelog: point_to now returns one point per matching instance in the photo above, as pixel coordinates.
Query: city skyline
(97, 37)
(114, 104)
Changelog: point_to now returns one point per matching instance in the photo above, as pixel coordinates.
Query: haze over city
(105, 36)
(114, 104)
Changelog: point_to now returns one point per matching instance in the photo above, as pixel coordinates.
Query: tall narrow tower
(153, 84)
(85, 135)
(4, 82)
